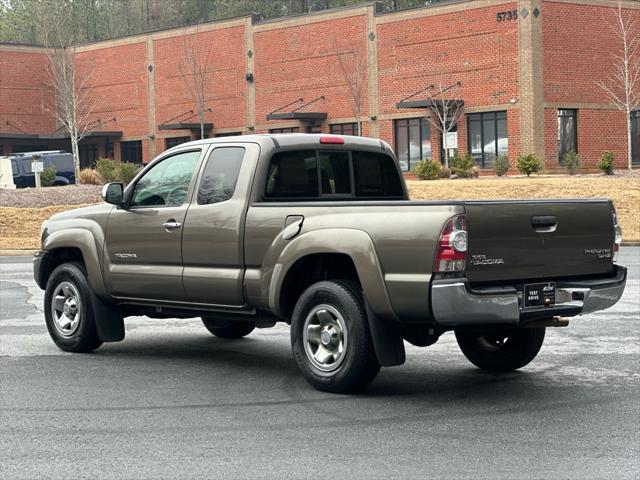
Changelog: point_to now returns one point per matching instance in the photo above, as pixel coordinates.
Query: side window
(335, 175)
(166, 183)
(14, 167)
(220, 175)
(293, 175)
(375, 175)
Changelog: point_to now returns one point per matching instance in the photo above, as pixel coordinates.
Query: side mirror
(112, 193)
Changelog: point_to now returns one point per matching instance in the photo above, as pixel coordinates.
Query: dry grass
(625, 192)
(20, 228)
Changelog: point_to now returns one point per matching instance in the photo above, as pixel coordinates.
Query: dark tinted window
(175, 141)
(635, 137)
(567, 132)
(375, 175)
(131, 151)
(293, 175)
(220, 175)
(335, 175)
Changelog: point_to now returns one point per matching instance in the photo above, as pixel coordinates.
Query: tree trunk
(629, 143)
(201, 113)
(76, 157)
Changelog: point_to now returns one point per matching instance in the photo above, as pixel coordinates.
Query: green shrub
(461, 165)
(528, 164)
(571, 161)
(48, 176)
(445, 172)
(427, 169)
(128, 171)
(501, 165)
(107, 170)
(606, 163)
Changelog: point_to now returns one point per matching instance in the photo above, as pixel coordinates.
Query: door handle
(171, 224)
(544, 223)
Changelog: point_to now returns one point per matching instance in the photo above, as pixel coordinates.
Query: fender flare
(383, 322)
(109, 319)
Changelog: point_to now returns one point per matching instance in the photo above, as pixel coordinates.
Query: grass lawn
(20, 228)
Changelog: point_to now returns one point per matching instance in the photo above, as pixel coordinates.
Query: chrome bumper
(454, 303)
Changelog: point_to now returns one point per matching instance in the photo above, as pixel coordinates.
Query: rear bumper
(454, 303)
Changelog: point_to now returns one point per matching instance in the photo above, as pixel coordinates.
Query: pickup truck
(318, 231)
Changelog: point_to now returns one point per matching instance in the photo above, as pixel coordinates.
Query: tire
(68, 310)
(341, 357)
(228, 329)
(501, 351)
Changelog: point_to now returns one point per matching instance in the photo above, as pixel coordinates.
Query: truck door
(144, 241)
(212, 241)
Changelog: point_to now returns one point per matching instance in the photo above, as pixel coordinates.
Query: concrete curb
(16, 253)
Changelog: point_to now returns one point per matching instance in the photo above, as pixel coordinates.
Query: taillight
(451, 254)
(617, 234)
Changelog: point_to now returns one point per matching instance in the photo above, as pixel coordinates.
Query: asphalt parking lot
(174, 401)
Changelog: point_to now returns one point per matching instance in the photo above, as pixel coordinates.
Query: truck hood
(84, 212)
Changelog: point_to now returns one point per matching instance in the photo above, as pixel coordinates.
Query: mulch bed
(48, 196)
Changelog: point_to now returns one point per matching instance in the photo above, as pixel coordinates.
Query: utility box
(6, 174)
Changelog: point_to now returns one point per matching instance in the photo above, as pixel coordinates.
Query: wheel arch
(349, 253)
(73, 244)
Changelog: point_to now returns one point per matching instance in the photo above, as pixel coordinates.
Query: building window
(412, 141)
(175, 141)
(635, 137)
(567, 132)
(487, 137)
(131, 151)
(284, 130)
(344, 128)
(108, 150)
(228, 134)
(88, 155)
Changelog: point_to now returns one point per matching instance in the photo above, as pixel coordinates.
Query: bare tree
(446, 110)
(73, 104)
(353, 65)
(622, 87)
(194, 67)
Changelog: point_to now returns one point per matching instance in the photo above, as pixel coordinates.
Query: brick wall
(578, 53)
(25, 97)
(139, 82)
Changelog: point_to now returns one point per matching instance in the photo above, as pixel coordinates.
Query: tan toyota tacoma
(318, 231)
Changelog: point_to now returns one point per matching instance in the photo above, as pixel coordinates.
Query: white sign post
(451, 140)
(37, 168)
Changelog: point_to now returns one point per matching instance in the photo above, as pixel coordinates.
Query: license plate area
(539, 294)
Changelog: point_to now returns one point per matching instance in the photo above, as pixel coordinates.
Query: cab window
(166, 184)
(220, 175)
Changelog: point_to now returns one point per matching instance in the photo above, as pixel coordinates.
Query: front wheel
(330, 337)
(68, 311)
(501, 351)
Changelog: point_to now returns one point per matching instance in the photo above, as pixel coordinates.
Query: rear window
(332, 174)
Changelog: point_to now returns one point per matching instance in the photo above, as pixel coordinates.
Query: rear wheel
(501, 351)
(68, 311)
(228, 329)
(330, 337)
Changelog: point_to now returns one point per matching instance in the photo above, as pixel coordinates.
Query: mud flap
(108, 318)
(387, 340)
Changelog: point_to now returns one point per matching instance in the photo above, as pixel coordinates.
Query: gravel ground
(46, 197)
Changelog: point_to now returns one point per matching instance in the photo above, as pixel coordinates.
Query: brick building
(527, 71)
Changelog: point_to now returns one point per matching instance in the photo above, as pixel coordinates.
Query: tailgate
(517, 240)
